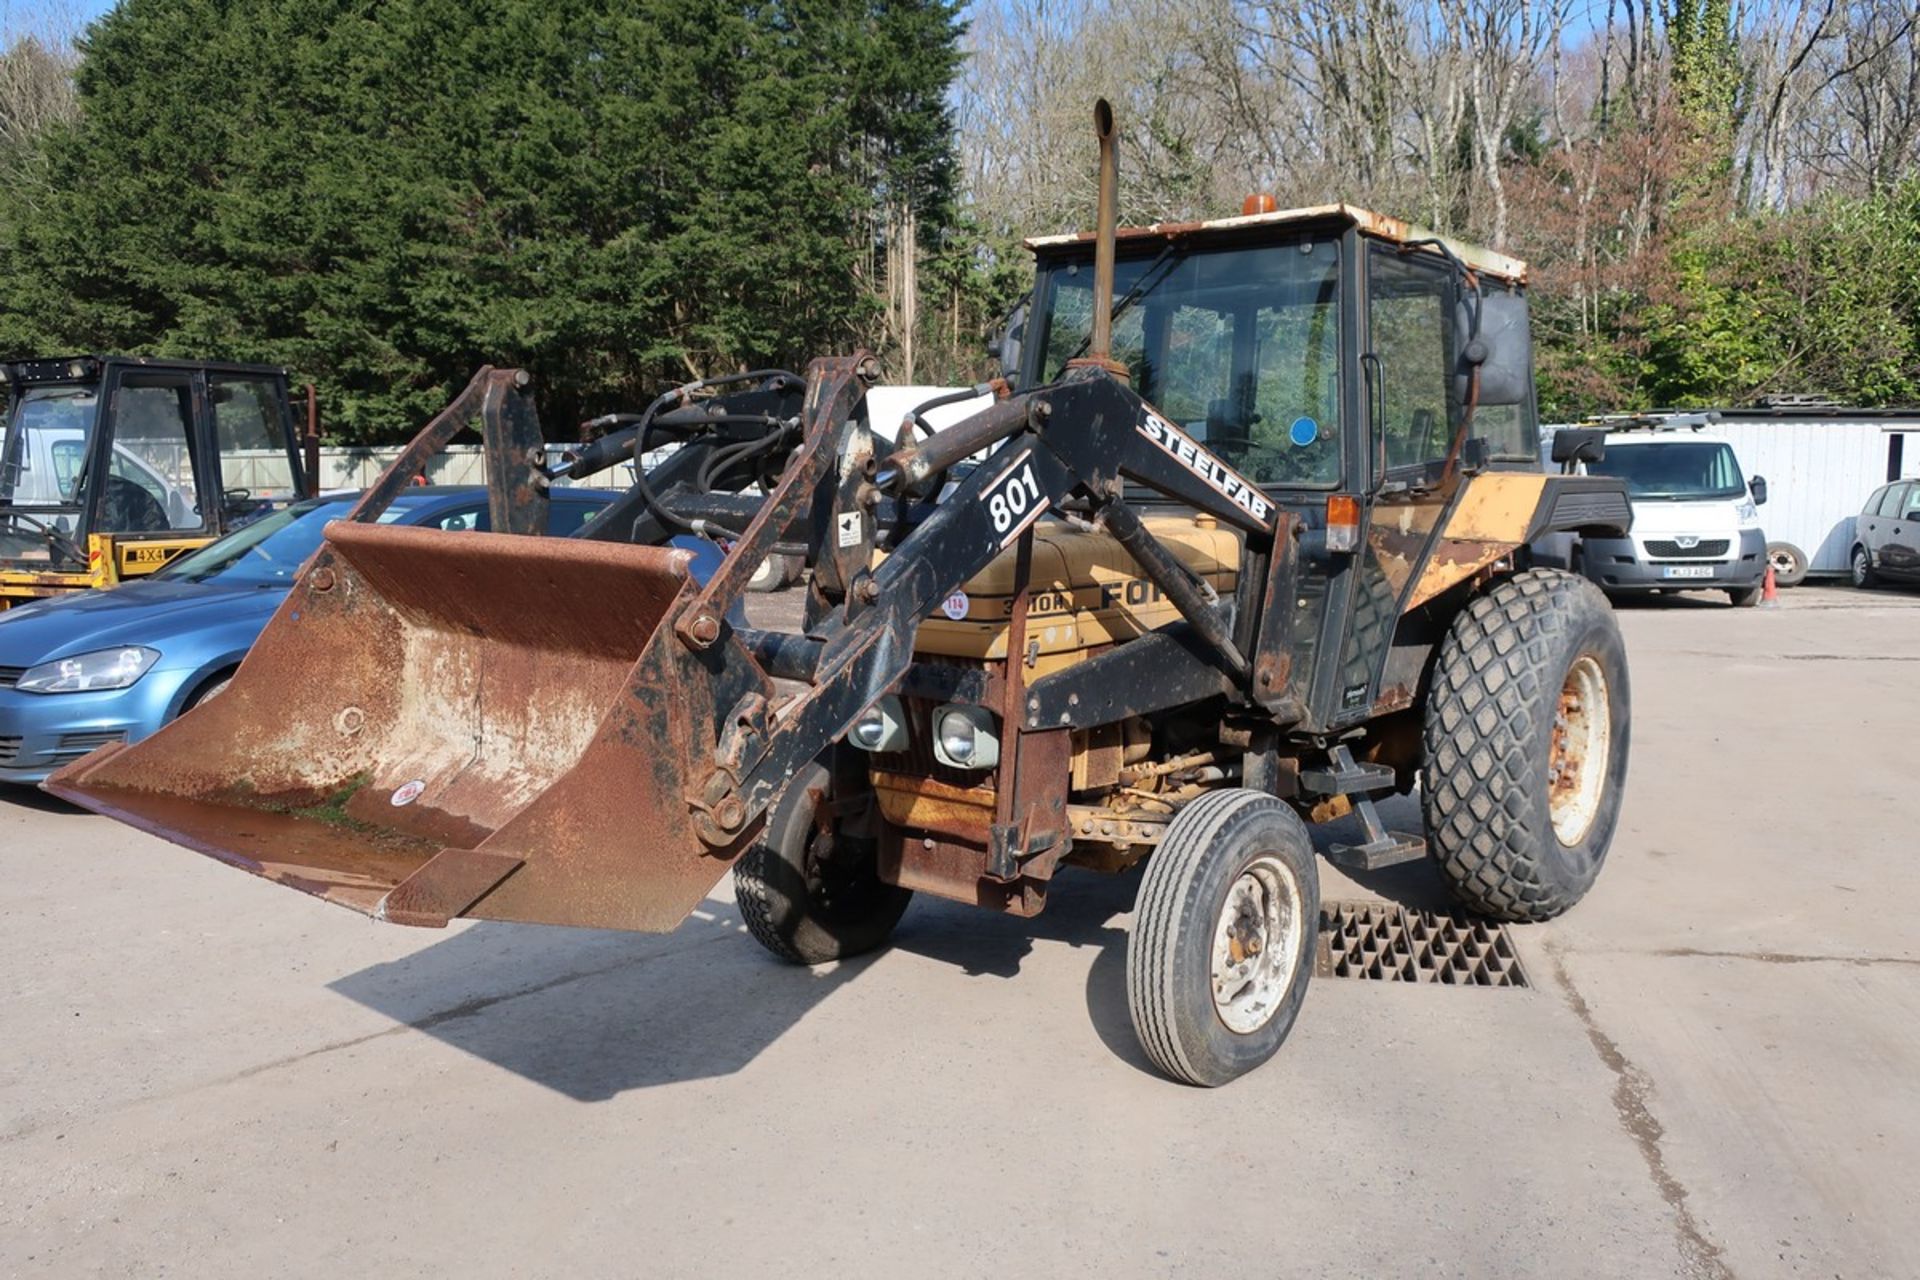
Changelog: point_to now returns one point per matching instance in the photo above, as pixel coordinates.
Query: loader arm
(1070, 442)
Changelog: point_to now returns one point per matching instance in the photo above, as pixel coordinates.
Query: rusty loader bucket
(443, 724)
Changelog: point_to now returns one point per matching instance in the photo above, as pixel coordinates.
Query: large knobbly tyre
(1223, 937)
(1526, 745)
(810, 896)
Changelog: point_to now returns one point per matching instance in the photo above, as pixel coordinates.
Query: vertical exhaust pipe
(1099, 350)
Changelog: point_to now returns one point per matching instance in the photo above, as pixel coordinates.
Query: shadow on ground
(592, 1014)
(35, 799)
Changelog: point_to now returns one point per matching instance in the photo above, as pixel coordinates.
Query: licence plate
(1689, 571)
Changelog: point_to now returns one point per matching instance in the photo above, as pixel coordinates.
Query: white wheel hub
(1256, 945)
(1582, 744)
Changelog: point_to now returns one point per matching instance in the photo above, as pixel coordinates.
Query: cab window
(150, 485)
(1407, 337)
(253, 452)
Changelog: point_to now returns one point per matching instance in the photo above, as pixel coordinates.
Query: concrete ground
(1715, 1073)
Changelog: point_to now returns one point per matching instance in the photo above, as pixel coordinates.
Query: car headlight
(89, 672)
(882, 727)
(963, 737)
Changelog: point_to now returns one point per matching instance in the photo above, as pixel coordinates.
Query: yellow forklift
(113, 465)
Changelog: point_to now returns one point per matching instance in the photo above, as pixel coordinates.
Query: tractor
(1251, 547)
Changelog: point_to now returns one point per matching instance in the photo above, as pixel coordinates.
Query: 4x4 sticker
(1185, 450)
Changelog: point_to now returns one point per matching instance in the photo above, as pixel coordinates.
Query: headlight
(89, 672)
(881, 727)
(963, 737)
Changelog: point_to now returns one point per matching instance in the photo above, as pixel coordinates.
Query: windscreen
(1241, 347)
(40, 473)
(47, 447)
(1676, 469)
(270, 551)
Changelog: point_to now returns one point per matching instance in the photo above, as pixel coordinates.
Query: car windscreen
(270, 551)
(1678, 469)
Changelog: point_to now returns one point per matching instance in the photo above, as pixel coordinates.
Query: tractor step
(1347, 777)
(1382, 848)
(1392, 848)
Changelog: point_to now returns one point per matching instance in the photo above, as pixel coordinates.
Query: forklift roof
(1378, 225)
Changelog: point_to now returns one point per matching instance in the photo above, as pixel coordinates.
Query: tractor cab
(113, 465)
(1330, 355)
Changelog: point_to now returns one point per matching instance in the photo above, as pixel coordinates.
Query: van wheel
(1789, 564)
(1223, 936)
(810, 895)
(1745, 597)
(1526, 746)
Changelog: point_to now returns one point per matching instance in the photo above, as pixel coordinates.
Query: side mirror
(1757, 486)
(1503, 351)
(1007, 342)
(1579, 444)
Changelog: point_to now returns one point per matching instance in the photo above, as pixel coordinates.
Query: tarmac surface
(1715, 1070)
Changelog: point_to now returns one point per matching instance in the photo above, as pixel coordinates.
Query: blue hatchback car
(113, 666)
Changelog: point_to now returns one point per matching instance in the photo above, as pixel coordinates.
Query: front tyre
(1223, 937)
(1526, 746)
(810, 895)
(1861, 565)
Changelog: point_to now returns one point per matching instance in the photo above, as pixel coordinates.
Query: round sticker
(408, 793)
(955, 606)
(1303, 432)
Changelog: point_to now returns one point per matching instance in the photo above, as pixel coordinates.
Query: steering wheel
(131, 509)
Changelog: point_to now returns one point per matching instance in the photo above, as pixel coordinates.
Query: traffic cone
(1769, 591)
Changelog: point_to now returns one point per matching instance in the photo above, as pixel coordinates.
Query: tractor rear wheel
(1223, 937)
(1526, 745)
(806, 892)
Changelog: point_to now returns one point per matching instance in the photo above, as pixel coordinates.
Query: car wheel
(1863, 575)
(209, 691)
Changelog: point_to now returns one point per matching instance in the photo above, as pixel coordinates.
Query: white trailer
(1820, 463)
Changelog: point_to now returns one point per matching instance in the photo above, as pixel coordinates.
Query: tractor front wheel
(809, 893)
(1526, 746)
(1223, 937)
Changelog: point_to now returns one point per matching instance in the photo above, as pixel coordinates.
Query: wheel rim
(1256, 945)
(1859, 566)
(1783, 562)
(1582, 743)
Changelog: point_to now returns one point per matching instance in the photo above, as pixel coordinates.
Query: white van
(1696, 517)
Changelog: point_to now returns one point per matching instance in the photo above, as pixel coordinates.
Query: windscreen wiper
(1145, 284)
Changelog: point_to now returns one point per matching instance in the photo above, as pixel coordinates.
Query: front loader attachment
(443, 724)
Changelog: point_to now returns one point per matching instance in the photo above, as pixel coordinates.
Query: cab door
(146, 483)
(1408, 358)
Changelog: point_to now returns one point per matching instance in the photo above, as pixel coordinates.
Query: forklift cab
(113, 465)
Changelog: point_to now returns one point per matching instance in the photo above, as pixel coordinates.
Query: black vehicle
(112, 466)
(1886, 536)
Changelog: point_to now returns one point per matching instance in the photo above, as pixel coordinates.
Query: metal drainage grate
(1388, 943)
